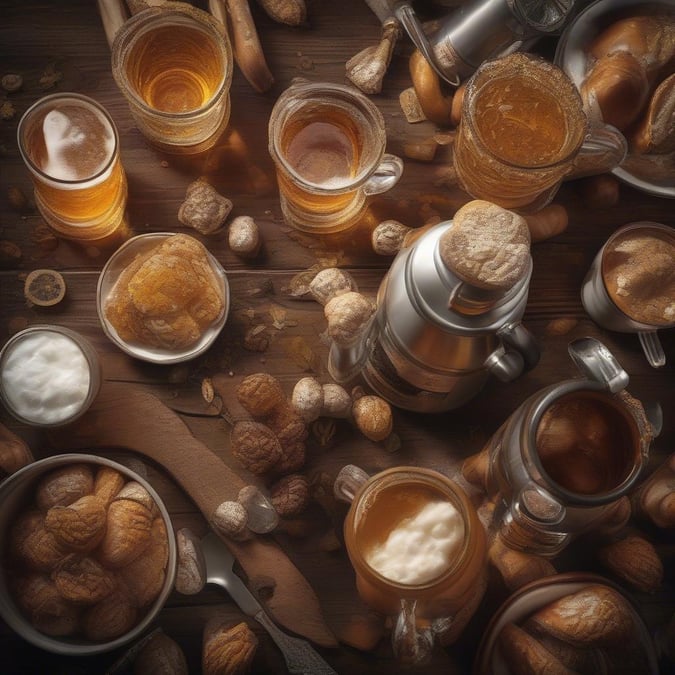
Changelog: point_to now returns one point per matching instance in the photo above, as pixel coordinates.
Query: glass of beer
(328, 145)
(419, 553)
(71, 147)
(630, 287)
(174, 66)
(523, 130)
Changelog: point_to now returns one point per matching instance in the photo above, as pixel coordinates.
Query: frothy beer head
(70, 141)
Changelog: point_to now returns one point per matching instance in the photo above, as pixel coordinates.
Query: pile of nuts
(88, 555)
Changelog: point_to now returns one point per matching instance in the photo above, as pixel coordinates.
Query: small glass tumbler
(174, 66)
(70, 144)
(523, 130)
(431, 587)
(630, 287)
(328, 145)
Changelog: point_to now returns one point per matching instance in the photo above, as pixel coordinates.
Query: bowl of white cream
(49, 375)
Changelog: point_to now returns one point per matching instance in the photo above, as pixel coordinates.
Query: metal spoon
(300, 656)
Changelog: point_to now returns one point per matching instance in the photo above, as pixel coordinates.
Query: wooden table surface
(67, 37)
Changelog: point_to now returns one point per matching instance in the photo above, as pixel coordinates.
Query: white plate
(650, 173)
(119, 260)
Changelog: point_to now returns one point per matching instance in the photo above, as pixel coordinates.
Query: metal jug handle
(517, 336)
(406, 15)
(597, 363)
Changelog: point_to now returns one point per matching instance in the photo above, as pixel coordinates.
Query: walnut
(292, 458)
(79, 526)
(635, 561)
(204, 209)
(336, 401)
(230, 519)
(37, 548)
(290, 495)
(307, 398)
(287, 425)
(348, 315)
(83, 581)
(388, 237)
(227, 650)
(373, 417)
(108, 483)
(255, 445)
(14, 452)
(160, 655)
(64, 486)
(127, 533)
(525, 654)
(42, 603)
(260, 393)
(111, 617)
(191, 565)
(134, 491)
(329, 283)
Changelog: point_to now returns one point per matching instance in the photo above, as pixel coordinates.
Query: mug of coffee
(630, 287)
(328, 146)
(523, 130)
(418, 551)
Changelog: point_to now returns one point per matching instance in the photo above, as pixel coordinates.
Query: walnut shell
(137, 493)
(255, 445)
(231, 519)
(227, 650)
(83, 581)
(39, 549)
(191, 565)
(347, 315)
(287, 425)
(127, 533)
(336, 401)
(373, 417)
(307, 398)
(63, 486)
(596, 616)
(79, 526)
(290, 495)
(42, 603)
(329, 283)
(14, 452)
(145, 575)
(292, 458)
(111, 617)
(259, 394)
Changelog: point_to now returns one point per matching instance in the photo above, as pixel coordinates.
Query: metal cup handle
(598, 364)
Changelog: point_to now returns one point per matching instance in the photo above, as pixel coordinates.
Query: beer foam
(78, 143)
(420, 548)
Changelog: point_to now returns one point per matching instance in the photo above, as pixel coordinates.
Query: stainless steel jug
(435, 340)
(477, 30)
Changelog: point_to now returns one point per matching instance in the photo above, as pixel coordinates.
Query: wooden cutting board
(125, 416)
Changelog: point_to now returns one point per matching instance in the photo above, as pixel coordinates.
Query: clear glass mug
(328, 142)
(630, 287)
(435, 593)
(71, 146)
(523, 130)
(174, 66)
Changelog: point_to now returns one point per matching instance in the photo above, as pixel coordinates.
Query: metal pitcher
(435, 340)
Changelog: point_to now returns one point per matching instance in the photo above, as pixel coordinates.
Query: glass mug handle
(603, 149)
(651, 346)
(386, 175)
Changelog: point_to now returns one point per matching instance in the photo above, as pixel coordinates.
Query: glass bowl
(119, 260)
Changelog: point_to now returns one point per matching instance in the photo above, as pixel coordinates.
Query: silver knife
(301, 658)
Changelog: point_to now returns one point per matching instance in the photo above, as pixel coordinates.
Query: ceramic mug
(328, 146)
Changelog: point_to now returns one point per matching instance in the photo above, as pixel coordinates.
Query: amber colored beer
(71, 147)
(174, 66)
(522, 125)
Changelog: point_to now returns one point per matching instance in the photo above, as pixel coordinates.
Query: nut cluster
(89, 554)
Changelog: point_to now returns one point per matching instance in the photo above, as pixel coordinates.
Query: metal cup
(625, 309)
